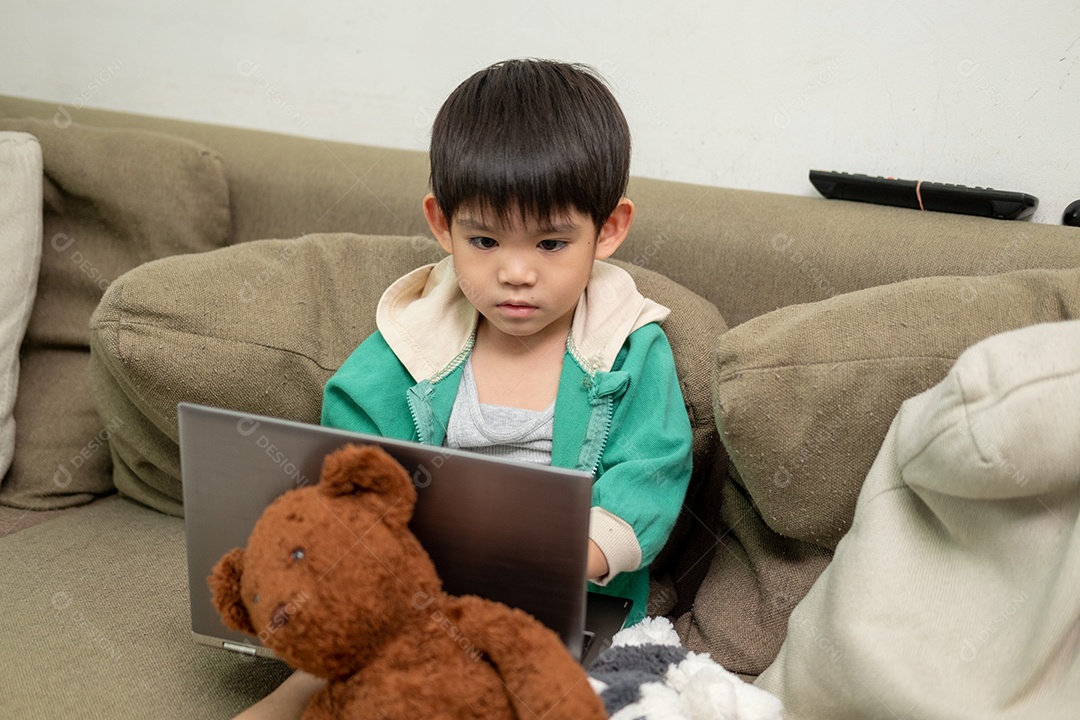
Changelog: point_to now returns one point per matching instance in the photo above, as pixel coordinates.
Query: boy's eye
(552, 245)
(484, 243)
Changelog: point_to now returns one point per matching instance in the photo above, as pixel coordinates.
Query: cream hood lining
(429, 323)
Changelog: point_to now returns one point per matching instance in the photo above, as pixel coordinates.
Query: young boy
(518, 343)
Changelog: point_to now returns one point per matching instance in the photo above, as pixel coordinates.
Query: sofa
(184, 261)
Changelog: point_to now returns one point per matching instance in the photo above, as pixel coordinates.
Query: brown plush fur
(333, 580)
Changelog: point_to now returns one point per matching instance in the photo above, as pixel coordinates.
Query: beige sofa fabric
(805, 394)
(113, 199)
(99, 625)
(954, 595)
(20, 257)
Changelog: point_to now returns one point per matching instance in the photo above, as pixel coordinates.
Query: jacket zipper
(607, 433)
(412, 396)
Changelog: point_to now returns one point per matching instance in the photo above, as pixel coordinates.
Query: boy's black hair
(537, 136)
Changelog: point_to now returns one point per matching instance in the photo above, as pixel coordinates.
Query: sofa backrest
(753, 252)
(747, 252)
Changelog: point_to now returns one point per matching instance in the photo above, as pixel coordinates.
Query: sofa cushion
(954, 593)
(805, 394)
(260, 327)
(257, 327)
(113, 199)
(756, 576)
(20, 257)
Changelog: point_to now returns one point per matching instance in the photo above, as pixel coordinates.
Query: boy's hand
(597, 564)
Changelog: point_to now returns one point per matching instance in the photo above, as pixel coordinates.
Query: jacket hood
(430, 325)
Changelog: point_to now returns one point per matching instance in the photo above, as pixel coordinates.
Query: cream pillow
(954, 594)
(20, 258)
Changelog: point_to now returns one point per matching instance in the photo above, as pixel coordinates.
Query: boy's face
(526, 278)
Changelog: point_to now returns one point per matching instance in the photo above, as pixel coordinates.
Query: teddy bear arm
(391, 690)
(542, 678)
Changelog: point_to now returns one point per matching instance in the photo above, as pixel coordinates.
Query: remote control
(941, 197)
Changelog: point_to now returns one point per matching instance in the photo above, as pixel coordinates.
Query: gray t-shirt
(498, 430)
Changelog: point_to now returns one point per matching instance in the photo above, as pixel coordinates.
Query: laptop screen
(508, 531)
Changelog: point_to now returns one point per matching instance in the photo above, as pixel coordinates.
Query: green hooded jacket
(619, 413)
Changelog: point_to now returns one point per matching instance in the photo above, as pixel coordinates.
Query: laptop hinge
(239, 648)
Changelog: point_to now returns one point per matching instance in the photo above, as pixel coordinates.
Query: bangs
(540, 187)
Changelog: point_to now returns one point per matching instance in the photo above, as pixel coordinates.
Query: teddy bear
(334, 581)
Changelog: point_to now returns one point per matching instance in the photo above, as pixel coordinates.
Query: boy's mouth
(514, 309)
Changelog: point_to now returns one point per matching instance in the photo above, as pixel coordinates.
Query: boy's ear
(440, 228)
(615, 229)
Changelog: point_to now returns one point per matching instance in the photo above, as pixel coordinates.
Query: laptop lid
(508, 531)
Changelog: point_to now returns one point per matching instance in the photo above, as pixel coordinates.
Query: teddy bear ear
(359, 469)
(225, 586)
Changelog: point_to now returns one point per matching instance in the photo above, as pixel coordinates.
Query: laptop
(509, 531)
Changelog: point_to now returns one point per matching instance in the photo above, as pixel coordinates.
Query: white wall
(748, 95)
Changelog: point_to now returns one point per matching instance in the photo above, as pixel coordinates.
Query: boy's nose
(516, 271)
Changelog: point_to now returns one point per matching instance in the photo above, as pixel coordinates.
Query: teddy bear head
(331, 571)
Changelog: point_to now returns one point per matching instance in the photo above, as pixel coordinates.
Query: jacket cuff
(617, 540)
